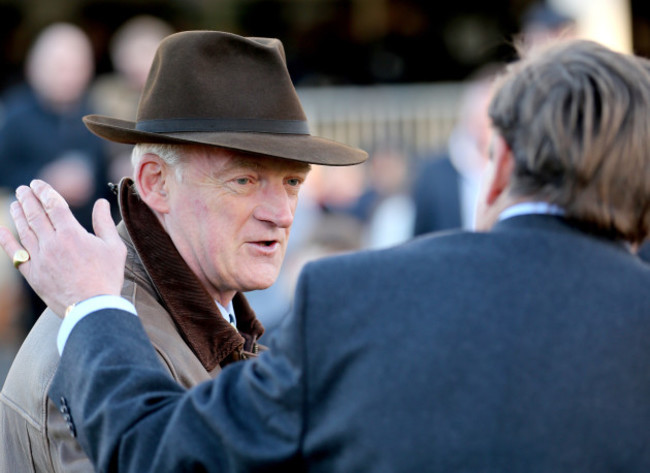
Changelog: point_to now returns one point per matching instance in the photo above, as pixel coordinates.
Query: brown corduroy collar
(212, 339)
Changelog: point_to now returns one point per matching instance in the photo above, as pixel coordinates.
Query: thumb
(103, 223)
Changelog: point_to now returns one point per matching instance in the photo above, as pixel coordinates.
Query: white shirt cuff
(83, 308)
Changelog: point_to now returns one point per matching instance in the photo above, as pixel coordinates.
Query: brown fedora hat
(221, 89)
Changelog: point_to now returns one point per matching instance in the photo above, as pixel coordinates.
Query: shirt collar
(226, 312)
(527, 208)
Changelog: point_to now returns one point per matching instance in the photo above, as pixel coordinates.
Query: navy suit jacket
(525, 349)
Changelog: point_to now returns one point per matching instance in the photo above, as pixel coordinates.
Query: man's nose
(276, 207)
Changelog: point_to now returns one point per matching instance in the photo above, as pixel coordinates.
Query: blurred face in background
(134, 46)
(60, 65)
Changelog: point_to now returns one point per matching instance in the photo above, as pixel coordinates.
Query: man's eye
(243, 181)
(293, 182)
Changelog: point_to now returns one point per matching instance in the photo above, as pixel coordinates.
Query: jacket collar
(557, 224)
(211, 338)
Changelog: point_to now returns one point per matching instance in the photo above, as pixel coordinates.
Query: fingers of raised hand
(27, 236)
(54, 206)
(33, 214)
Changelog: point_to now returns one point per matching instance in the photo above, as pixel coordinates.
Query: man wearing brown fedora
(222, 147)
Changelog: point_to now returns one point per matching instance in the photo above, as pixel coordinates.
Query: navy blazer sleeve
(130, 416)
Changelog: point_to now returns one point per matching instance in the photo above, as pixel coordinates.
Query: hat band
(243, 125)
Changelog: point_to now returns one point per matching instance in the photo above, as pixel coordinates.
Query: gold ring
(20, 257)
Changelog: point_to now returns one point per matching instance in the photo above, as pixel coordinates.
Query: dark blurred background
(327, 41)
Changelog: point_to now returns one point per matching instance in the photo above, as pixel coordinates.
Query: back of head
(576, 116)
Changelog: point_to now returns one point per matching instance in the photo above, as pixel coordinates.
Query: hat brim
(305, 148)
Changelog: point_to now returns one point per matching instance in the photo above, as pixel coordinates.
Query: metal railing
(420, 116)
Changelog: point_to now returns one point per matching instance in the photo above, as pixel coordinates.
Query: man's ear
(152, 176)
(503, 164)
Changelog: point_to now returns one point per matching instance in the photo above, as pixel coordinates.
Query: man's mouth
(266, 243)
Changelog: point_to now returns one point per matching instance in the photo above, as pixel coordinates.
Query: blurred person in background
(360, 192)
(41, 132)
(42, 135)
(132, 48)
(390, 209)
(339, 190)
(447, 184)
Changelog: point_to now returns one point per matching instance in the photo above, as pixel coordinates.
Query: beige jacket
(182, 321)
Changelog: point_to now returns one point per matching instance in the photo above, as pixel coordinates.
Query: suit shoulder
(451, 244)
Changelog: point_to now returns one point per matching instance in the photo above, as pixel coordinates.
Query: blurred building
(335, 41)
(343, 43)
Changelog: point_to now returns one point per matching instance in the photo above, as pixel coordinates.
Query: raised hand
(66, 263)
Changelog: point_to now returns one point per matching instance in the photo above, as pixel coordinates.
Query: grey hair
(169, 153)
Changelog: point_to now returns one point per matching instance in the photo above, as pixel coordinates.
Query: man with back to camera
(522, 347)
(217, 169)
